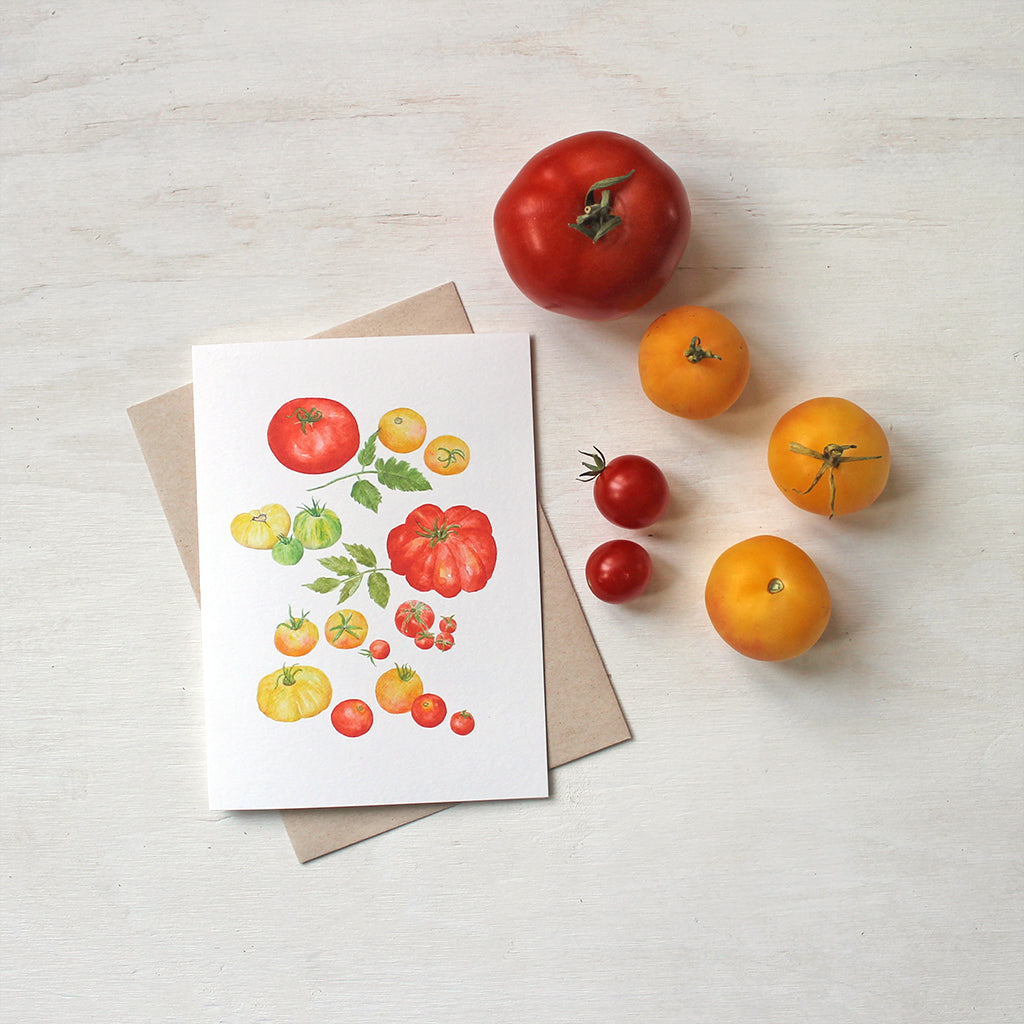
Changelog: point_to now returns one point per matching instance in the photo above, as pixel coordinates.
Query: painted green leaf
(368, 450)
(340, 565)
(366, 494)
(349, 587)
(362, 554)
(323, 584)
(398, 475)
(380, 589)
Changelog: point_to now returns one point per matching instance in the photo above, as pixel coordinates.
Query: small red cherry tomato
(352, 717)
(428, 710)
(448, 624)
(444, 641)
(619, 571)
(462, 723)
(413, 617)
(424, 640)
(377, 650)
(630, 491)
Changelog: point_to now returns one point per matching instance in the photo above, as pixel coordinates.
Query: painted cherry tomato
(593, 226)
(424, 640)
(462, 723)
(287, 551)
(444, 641)
(619, 571)
(448, 551)
(829, 456)
(352, 717)
(262, 527)
(446, 455)
(412, 617)
(448, 624)
(316, 527)
(693, 362)
(397, 688)
(377, 650)
(313, 435)
(401, 430)
(767, 599)
(296, 635)
(629, 491)
(428, 710)
(346, 629)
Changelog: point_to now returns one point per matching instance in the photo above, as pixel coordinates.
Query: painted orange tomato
(693, 362)
(446, 455)
(397, 688)
(767, 599)
(829, 456)
(296, 635)
(401, 430)
(346, 629)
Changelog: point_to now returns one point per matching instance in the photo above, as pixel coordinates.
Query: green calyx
(695, 353)
(593, 469)
(597, 218)
(832, 456)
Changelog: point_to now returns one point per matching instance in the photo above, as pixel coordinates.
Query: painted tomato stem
(597, 218)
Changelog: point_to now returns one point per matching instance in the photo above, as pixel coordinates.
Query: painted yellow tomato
(346, 629)
(767, 599)
(693, 362)
(293, 692)
(262, 527)
(296, 636)
(447, 455)
(829, 456)
(401, 430)
(397, 688)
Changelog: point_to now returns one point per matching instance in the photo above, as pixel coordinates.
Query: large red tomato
(313, 435)
(448, 551)
(593, 226)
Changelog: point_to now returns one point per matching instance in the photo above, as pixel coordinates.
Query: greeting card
(369, 571)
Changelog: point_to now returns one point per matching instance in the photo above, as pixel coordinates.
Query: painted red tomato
(448, 551)
(462, 723)
(313, 435)
(352, 717)
(593, 226)
(428, 710)
(413, 617)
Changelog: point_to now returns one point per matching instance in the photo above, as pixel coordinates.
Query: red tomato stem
(597, 218)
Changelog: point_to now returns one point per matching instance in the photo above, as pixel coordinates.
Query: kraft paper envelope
(583, 713)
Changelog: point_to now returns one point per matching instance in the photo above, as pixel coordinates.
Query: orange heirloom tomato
(296, 635)
(766, 598)
(397, 688)
(693, 362)
(447, 455)
(401, 430)
(829, 456)
(346, 629)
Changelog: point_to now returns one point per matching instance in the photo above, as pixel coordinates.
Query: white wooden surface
(836, 839)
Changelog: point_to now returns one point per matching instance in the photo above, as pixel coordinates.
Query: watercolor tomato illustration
(352, 717)
(828, 456)
(413, 616)
(446, 455)
(767, 599)
(346, 629)
(377, 650)
(448, 551)
(593, 226)
(618, 571)
(447, 625)
(462, 723)
(401, 430)
(424, 639)
(428, 710)
(313, 435)
(293, 692)
(397, 688)
(262, 527)
(287, 551)
(444, 641)
(630, 491)
(693, 362)
(296, 636)
(316, 526)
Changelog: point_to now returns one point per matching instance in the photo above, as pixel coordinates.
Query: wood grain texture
(836, 839)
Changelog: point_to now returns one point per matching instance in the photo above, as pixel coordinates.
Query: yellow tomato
(693, 362)
(262, 527)
(346, 629)
(447, 455)
(401, 430)
(296, 636)
(293, 692)
(829, 456)
(767, 599)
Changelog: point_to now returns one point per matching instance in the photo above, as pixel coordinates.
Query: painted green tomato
(287, 550)
(316, 526)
